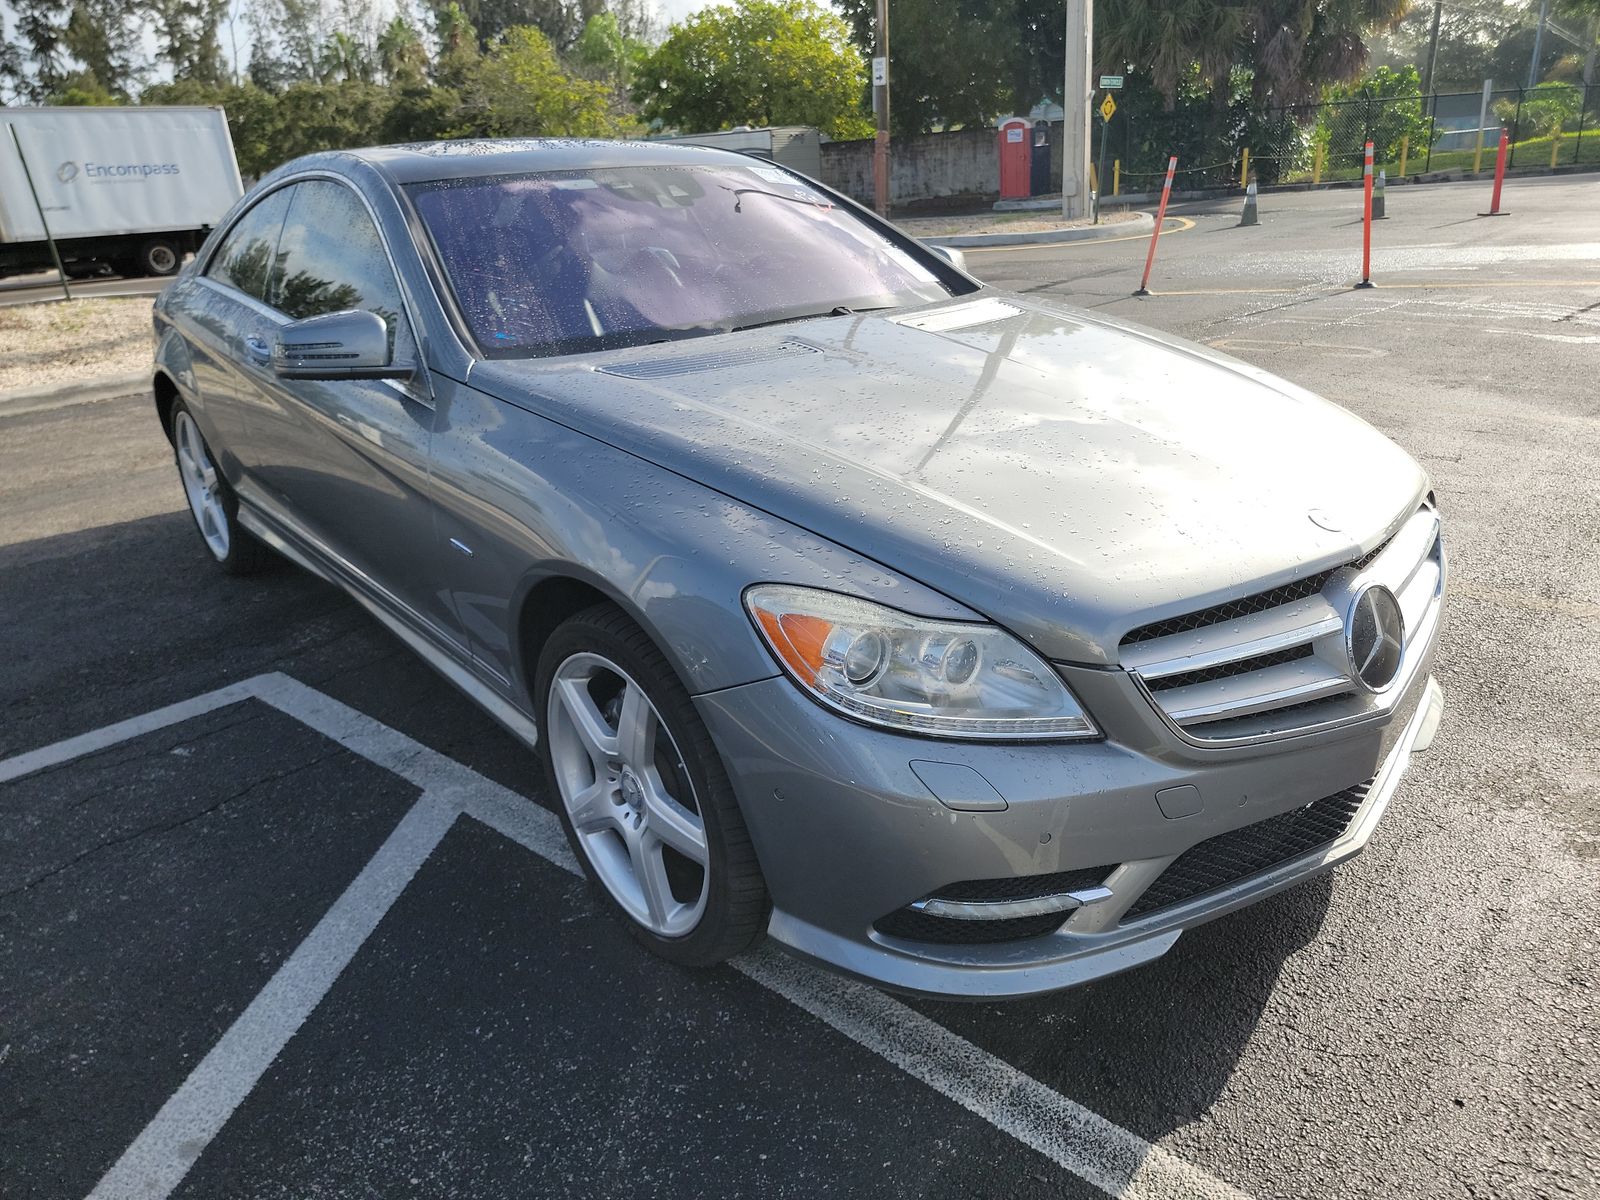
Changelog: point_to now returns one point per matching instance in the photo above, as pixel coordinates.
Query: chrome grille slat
(1292, 624)
(1244, 666)
(1257, 691)
(1406, 551)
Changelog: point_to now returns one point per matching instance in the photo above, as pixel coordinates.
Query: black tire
(737, 905)
(245, 555)
(158, 256)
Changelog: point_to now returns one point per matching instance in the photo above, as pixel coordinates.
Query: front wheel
(642, 792)
(211, 501)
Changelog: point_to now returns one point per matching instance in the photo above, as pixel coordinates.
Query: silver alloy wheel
(163, 260)
(201, 484)
(608, 767)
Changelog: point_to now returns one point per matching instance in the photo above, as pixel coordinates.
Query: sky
(676, 10)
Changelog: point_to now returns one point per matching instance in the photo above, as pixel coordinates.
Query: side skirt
(513, 718)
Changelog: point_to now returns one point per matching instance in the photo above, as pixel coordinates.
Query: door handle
(258, 348)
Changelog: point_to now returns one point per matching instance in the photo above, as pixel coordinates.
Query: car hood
(1068, 476)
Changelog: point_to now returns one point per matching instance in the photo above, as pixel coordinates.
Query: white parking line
(1111, 1158)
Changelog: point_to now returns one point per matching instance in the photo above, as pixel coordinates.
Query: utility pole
(1076, 94)
(1433, 48)
(1538, 41)
(880, 104)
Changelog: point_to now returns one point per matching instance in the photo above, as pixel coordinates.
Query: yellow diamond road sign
(1107, 107)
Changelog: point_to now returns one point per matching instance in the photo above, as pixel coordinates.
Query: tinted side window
(331, 258)
(248, 258)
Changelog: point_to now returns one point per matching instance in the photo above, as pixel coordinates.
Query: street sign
(880, 72)
(1109, 83)
(1107, 107)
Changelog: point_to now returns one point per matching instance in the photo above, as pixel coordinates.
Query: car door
(346, 461)
(217, 312)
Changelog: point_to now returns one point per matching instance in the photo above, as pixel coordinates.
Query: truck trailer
(133, 189)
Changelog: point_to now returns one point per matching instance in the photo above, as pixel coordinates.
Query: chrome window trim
(423, 394)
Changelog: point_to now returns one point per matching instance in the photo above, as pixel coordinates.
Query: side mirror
(342, 345)
(952, 256)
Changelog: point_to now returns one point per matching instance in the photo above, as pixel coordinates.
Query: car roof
(418, 162)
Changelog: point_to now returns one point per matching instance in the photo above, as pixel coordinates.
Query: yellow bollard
(1116, 177)
(1244, 167)
(1555, 148)
(1316, 163)
(1405, 147)
(1477, 159)
(1094, 179)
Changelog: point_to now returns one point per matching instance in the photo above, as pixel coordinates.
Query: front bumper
(847, 832)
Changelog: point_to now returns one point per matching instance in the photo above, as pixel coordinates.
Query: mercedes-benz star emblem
(1375, 637)
(67, 172)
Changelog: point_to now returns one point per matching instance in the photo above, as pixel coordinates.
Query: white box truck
(134, 189)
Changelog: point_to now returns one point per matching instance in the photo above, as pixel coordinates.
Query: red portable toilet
(1016, 159)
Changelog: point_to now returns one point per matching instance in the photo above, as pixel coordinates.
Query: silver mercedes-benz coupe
(966, 642)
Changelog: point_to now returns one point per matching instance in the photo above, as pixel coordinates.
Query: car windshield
(571, 261)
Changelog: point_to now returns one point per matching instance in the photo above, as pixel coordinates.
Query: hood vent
(962, 316)
(668, 366)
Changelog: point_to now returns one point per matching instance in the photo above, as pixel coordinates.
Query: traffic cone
(1248, 217)
(1377, 197)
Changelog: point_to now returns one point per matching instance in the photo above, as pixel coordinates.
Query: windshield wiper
(838, 310)
(739, 193)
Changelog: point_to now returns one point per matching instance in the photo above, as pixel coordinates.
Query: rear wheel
(643, 794)
(158, 256)
(212, 502)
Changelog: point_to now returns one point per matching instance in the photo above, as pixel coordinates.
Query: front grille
(1231, 857)
(1273, 663)
(1276, 597)
(918, 926)
(1247, 606)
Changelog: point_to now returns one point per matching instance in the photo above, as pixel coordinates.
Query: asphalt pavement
(314, 935)
(30, 289)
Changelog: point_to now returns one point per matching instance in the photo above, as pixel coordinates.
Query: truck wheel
(158, 256)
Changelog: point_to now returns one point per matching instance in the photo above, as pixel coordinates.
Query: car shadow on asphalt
(1153, 1049)
(126, 618)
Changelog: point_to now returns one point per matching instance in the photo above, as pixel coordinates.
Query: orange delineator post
(1366, 224)
(1161, 213)
(1499, 175)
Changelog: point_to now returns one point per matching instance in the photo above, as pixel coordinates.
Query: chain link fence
(1547, 126)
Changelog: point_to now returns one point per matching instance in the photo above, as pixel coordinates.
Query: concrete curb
(61, 395)
(1140, 223)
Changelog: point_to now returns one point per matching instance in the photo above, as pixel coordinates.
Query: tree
(41, 31)
(103, 37)
(13, 79)
(1543, 111)
(186, 37)
(764, 62)
(561, 21)
(402, 56)
(520, 89)
(610, 53)
(1385, 106)
(1010, 55)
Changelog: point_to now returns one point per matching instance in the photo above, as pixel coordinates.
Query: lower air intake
(1231, 857)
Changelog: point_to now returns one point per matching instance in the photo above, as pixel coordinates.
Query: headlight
(945, 678)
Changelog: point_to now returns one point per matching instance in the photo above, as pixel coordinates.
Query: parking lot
(281, 915)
